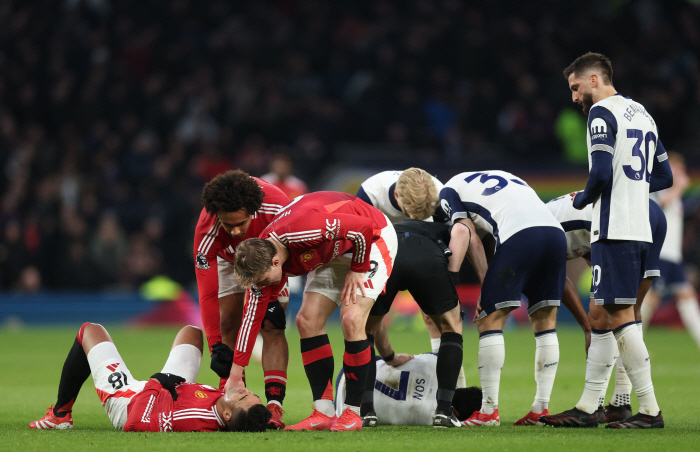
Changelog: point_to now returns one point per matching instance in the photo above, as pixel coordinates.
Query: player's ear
(227, 413)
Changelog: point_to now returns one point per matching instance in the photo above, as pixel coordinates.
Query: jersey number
(388, 391)
(116, 380)
(485, 177)
(648, 139)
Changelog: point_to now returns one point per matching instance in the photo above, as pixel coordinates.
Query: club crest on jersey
(201, 395)
(599, 129)
(202, 262)
(332, 229)
(306, 257)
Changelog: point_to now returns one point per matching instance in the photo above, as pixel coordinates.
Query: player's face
(271, 277)
(236, 223)
(581, 92)
(242, 398)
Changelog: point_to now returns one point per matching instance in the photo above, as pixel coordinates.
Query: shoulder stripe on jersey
(218, 418)
(192, 411)
(242, 342)
(206, 244)
(147, 412)
(274, 206)
(301, 233)
(208, 235)
(360, 245)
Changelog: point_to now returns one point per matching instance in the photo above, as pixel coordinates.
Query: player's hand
(588, 341)
(573, 196)
(235, 378)
(221, 359)
(478, 310)
(353, 281)
(169, 382)
(399, 358)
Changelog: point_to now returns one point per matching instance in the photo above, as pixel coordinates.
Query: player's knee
(306, 325)
(269, 329)
(192, 335)
(352, 323)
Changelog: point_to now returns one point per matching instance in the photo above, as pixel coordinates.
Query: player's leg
(275, 359)
(633, 351)
(231, 304)
(449, 363)
(185, 356)
(76, 370)
(687, 304)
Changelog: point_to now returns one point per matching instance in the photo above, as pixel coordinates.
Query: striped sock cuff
(545, 332)
(276, 376)
(490, 333)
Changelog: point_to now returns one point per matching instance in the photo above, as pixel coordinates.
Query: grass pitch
(31, 361)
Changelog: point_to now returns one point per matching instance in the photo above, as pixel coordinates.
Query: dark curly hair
(253, 420)
(466, 401)
(232, 191)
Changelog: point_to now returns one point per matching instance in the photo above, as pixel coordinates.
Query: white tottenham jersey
(380, 189)
(576, 224)
(672, 250)
(623, 127)
(404, 395)
(497, 202)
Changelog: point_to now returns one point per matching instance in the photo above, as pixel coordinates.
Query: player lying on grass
(236, 207)
(421, 268)
(409, 194)
(577, 226)
(530, 259)
(405, 394)
(347, 248)
(169, 401)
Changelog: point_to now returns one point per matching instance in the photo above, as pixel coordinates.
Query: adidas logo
(113, 367)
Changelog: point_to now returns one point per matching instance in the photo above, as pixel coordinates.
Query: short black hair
(232, 191)
(591, 61)
(466, 401)
(253, 420)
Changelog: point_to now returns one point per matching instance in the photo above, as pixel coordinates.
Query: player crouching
(169, 401)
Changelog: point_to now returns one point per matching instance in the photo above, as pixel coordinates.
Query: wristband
(390, 357)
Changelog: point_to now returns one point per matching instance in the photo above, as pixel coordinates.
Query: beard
(586, 102)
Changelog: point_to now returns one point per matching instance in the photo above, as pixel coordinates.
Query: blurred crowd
(113, 114)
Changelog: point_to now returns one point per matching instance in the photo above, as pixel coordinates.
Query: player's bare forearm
(571, 300)
(477, 256)
(381, 341)
(235, 378)
(459, 243)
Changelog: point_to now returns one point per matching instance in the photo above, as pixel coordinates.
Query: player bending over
(406, 394)
(530, 259)
(347, 248)
(627, 161)
(421, 268)
(409, 194)
(170, 401)
(236, 207)
(577, 226)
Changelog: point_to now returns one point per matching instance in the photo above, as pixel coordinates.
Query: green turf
(31, 360)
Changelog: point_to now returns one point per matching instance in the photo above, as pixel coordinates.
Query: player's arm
(571, 300)
(253, 316)
(464, 241)
(362, 194)
(206, 271)
(140, 409)
(600, 176)
(385, 350)
(661, 175)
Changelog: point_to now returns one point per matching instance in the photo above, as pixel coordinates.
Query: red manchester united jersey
(212, 240)
(318, 227)
(154, 410)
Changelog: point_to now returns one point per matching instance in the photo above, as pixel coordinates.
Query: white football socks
(690, 315)
(325, 406)
(635, 359)
(601, 357)
(492, 355)
(546, 363)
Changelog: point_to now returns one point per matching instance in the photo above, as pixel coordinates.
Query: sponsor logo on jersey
(256, 290)
(332, 230)
(113, 367)
(599, 129)
(306, 257)
(336, 250)
(201, 395)
(202, 262)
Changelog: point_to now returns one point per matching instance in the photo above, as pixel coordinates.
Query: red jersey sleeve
(207, 244)
(141, 407)
(253, 316)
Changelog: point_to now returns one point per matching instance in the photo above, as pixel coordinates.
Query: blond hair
(253, 259)
(417, 193)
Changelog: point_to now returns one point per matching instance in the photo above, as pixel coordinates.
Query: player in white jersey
(673, 282)
(626, 161)
(404, 195)
(577, 227)
(405, 394)
(530, 259)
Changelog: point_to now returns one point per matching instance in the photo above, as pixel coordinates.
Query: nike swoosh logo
(348, 426)
(318, 423)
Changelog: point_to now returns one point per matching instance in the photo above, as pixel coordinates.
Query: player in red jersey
(347, 248)
(169, 401)
(236, 207)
